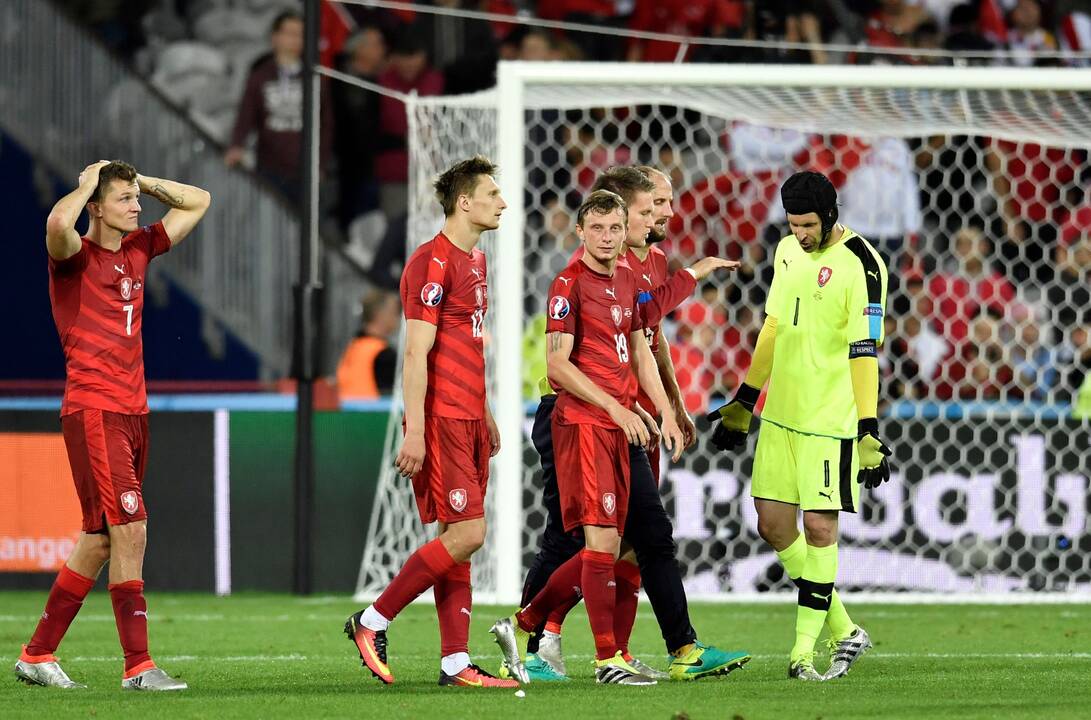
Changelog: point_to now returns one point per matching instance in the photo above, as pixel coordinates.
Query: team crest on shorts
(457, 498)
(615, 313)
(559, 307)
(126, 288)
(479, 295)
(431, 294)
(129, 502)
(824, 276)
(609, 503)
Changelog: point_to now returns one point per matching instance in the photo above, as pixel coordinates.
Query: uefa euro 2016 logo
(559, 307)
(431, 294)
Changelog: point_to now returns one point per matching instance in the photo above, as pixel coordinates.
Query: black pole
(308, 309)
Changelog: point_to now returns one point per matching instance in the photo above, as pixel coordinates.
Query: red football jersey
(446, 287)
(600, 311)
(98, 301)
(651, 273)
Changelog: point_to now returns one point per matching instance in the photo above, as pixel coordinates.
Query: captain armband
(863, 348)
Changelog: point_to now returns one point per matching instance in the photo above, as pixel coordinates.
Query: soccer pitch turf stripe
(295, 657)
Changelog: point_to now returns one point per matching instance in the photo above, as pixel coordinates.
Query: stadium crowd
(989, 242)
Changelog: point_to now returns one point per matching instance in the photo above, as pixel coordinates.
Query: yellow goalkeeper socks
(815, 594)
(794, 557)
(794, 560)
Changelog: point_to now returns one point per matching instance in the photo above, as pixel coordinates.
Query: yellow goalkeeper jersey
(824, 303)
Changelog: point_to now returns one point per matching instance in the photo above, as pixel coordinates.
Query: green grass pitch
(275, 656)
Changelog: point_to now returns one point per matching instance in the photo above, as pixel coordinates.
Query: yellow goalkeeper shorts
(812, 471)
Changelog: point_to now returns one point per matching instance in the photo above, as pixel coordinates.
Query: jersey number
(622, 344)
(128, 319)
(478, 319)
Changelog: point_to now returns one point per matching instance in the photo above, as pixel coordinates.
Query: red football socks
(420, 572)
(65, 600)
(627, 577)
(561, 591)
(599, 596)
(454, 601)
(131, 615)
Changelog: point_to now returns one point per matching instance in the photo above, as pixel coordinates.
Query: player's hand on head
(411, 455)
(874, 467)
(90, 173)
(705, 266)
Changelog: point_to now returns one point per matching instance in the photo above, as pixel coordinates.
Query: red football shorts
(108, 452)
(592, 475)
(450, 487)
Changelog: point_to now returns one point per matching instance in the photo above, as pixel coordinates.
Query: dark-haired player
(449, 432)
(96, 287)
(819, 431)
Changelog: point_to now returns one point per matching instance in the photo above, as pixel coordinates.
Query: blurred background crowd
(989, 242)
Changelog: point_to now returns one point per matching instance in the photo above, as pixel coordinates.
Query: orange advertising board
(39, 511)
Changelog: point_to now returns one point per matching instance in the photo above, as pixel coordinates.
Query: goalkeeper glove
(733, 419)
(874, 468)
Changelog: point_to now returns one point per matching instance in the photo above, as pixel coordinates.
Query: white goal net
(971, 182)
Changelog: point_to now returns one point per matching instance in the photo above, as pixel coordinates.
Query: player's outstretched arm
(188, 204)
(61, 239)
(674, 393)
(564, 374)
(419, 338)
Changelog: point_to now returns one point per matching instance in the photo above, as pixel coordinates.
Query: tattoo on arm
(554, 342)
(160, 193)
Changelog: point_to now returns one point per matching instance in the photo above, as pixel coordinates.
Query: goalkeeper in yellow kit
(819, 430)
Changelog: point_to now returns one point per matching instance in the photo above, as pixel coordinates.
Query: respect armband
(863, 348)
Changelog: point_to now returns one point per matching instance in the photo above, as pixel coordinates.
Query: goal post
(990, 491)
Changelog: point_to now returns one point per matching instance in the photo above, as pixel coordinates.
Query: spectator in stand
(881, 197)
(366, 369)
(272, 108)
(893, 23)
(1034, 364)
(1026, 35)
(964, 35)
(1075, 28)
(463, 49)
(536, 46)
(977, 369)
(967, 284)
(356, 124)
(690, 18)
(1069, 293)
(1032, 185)
(407, 71)
(785, 21)
(603, 13)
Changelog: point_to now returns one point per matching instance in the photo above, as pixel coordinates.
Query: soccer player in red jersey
(596, 325)
(449, 431)
(96, 289)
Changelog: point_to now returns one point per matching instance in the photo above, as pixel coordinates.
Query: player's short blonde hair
(602, 202)
(461, 179)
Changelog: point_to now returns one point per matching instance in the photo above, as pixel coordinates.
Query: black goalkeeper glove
(732, 421)
(874, 468)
